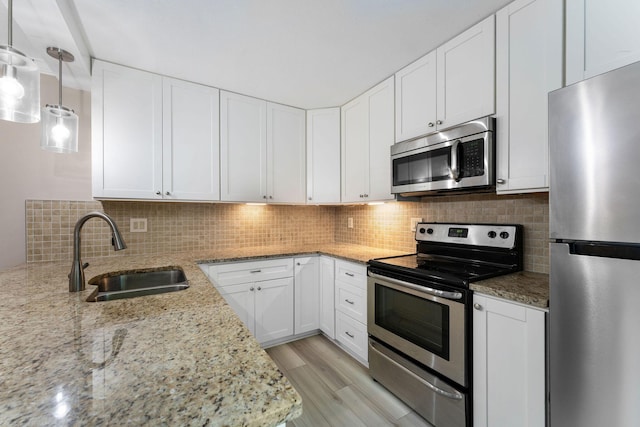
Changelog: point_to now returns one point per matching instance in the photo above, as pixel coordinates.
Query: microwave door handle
(455, 169)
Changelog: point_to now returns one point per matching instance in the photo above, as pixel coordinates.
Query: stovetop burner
(458, 254)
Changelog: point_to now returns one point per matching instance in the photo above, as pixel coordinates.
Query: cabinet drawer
(352, 301)
(351, 273)
(352, 334)
(251, 271)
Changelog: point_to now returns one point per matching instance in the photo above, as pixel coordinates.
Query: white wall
(27, 172)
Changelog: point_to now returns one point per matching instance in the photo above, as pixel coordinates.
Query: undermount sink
(130, 284)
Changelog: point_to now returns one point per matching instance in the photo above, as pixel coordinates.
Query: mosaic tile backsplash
(182, 227)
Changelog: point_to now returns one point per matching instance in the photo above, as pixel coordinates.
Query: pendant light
(19, 82)
(59, 123)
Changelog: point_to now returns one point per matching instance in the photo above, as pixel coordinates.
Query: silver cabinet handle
(349, 302)
(477, 306)
(439, 122)
(255, 271)
(271, 197)
(259, 288)
(366, 195)
(349, 274)
(310, 198)
(159, 193)
(167, 193)
(501, 181)
(264, 197)
(362, 195)
(431, 124)
(251, 289)
(348, 334)
(297, 263)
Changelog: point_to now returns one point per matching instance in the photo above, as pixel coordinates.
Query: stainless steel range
(419, 314)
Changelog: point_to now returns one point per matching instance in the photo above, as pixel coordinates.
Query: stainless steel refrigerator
(594, 308)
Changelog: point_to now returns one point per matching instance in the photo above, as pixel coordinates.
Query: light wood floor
(336, 390)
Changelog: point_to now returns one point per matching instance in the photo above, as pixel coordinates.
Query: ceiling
(304, 53)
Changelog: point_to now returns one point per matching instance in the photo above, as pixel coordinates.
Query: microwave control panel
(472, 162)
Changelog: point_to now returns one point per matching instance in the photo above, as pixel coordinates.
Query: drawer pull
(348, 334)
(255, 271)
(349, 302)
(350, 274)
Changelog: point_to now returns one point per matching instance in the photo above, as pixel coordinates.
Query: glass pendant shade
(19, 87)
(59, 129)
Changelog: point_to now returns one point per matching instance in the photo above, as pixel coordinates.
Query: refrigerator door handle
(606, 250)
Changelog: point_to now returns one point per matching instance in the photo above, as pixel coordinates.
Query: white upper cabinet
(466, 75)
(367, 130)
(323, 156)
(451, 85)
(416, 98)
(285, 154)
(529, 37)
(153, 137)
(600, 36)
(126, 125)
(243, 148)
(261, 150)
(191, 160)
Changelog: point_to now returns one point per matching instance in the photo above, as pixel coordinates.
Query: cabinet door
(273, 309)
(285, 154)
(323, 156)
(126, 132)
(355, 149)
(243, 156)
(466, 75)
(381, 138)
(191, 144)
(241, 299)
(508, 364)
(601, 36)
(416, 98)
(307, 295)
(327, 302)
(529, 66)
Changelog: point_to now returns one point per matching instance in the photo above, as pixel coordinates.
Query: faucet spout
(76, 276)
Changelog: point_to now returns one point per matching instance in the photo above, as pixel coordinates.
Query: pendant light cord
(60, 79)
(10, 25)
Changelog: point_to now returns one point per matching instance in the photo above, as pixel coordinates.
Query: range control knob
(504, 235)
(429, 230)
(422, 230)
(492, 234)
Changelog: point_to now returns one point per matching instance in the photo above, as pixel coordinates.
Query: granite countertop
(524, 287)
(182, 358)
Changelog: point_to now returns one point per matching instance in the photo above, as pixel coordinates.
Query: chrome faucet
(76, 277)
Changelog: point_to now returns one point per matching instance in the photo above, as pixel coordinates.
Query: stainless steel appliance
(594, 129)
(461, 158)
(419, 314)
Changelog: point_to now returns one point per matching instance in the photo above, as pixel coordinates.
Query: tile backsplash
(182, 227)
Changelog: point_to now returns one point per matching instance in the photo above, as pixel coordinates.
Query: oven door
(452, 165)
(426, 324)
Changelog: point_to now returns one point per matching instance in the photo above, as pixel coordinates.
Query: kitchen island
(180, 358)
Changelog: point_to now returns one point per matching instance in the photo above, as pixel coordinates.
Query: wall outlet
(138, 225)
(413, 223)
(349, 222)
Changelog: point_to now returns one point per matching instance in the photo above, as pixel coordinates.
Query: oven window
(423, 167)
(422, 322)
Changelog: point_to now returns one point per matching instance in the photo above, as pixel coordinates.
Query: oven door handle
(455, 395)
(425, 289)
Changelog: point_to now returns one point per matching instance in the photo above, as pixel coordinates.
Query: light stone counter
(525, 287)
(181, 358)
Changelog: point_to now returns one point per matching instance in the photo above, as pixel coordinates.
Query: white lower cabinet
(307, 295)
(261, 293)
(351, 307)
(508, 364)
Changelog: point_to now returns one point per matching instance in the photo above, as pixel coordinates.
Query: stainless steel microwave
(455, 159)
